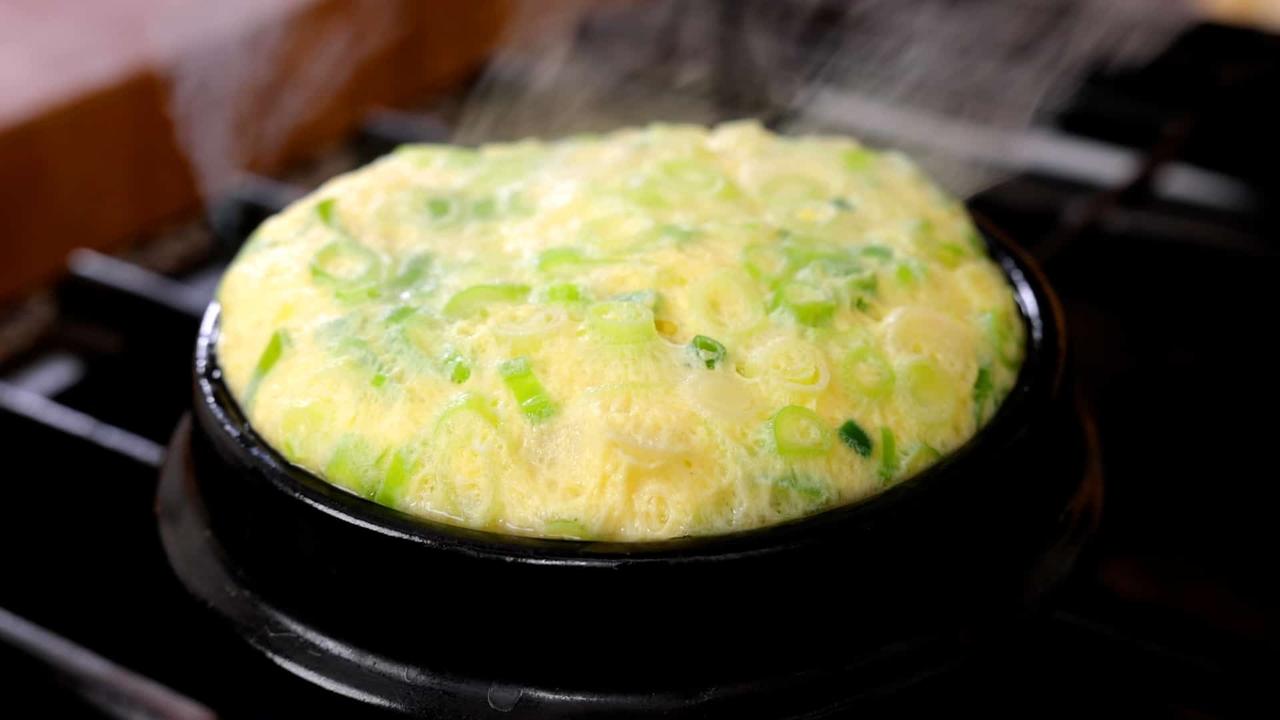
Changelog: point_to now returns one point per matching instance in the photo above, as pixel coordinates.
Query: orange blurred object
(118, 116)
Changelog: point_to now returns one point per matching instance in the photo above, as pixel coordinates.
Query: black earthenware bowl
(800, 619)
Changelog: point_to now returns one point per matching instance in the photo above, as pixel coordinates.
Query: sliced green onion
(562, 257)
(728, 303)
(271, 355)
(464, 404)
(852, 434)
(354, 465)
(529, 393)
(485, 208)
(983, 387)
(858, 159)
(879, 252)
(766, 262)
(566, 529)
(841, 204)
(395, 484)
(808, 304)
(921, 457)
(471, 450)
(1001, 333)
(411, 271)
(357, 352)
(803, 253)
(325, 211)
(888, 455)
(399, 314)
(865, 282)
(976, 243)
(867, 372)
(564, 293)
(930, 390)
(477, 298)
(925, 237)
(812, 489)
(680, 233)
(619, 322)
(798, 364)
(708, 350)
(443, 210)
(347, 266)
(456, 367)
(302, 426)
(799, 432)
(648, 298)
(908, 272)
(674, 181)
(690, 176)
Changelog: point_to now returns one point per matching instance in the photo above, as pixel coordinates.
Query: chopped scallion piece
(477, 298)
(709, 351)
(399, 315)
(879, 252)
(812, 489)
(908, 272)
(867, 282)
(395, 484)
(648, 298)
(271, 355)
(346, 266)
(456, 367)
(799, 432)
(566, 529)
(325, 211)
(354, 465)
(562, 257)
(852, 434)
(867, 372)
(888, 455)
(529, 393)
(443, 210)
(411, 272)
(920, 458)
(622, 323)
(467, 403)
(999, 327)
(766, 262)
(808, 304)
(564, 293)
(858, 159)
(982, 389)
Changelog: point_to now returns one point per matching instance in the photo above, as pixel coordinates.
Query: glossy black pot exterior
(804, 615)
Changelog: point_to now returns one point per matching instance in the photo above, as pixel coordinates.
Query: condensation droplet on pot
(504, 699)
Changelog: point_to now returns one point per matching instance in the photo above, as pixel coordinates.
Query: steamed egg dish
(653, 333)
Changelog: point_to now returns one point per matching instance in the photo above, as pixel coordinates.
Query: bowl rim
(1039, 379)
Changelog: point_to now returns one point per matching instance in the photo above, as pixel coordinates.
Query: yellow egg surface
(654, 333)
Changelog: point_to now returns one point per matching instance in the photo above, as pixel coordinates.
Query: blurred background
(1130, 145)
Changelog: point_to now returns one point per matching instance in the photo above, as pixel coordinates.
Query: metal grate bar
(112, 689)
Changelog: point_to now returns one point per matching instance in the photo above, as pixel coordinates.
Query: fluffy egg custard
(653, 333)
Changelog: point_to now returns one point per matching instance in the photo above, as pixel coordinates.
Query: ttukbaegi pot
(806, 617)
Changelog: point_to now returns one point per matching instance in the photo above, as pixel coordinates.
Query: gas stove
(1151, 203)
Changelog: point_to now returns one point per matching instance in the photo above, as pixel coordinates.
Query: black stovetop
(1166, 293)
